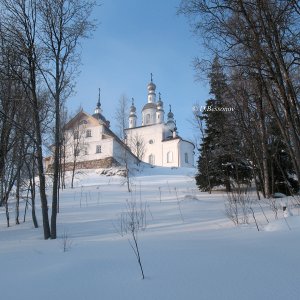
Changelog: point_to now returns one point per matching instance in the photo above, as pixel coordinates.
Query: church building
(90, 143)
(156, 140)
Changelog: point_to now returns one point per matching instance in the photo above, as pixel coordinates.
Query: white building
(156, 141)
(90, 143)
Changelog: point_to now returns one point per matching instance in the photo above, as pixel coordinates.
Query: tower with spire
(171, 122)
(159, 110)
(149, 109)
(98, 111)
(132, 115)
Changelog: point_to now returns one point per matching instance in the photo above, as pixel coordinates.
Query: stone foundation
(104, 163)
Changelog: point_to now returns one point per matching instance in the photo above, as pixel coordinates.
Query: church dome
(132, 109)
(160, 103)
(149, 105)
(151, 86)
(159, 106)
(170, 115)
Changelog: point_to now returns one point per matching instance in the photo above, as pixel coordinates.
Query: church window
(170, 157)
(151, 142)
(147, 119)
(76, 135)
(88, 133)
(186, 158)
(151, 159)
(98, 149)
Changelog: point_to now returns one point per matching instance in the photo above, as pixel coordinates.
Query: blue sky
(136, 38)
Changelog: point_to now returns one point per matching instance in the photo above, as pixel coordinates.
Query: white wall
(88, 144)
(154, 134)
(161, 146)
(171, 146)
(186, 147)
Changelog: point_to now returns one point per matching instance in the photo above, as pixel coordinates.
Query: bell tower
(132, 115)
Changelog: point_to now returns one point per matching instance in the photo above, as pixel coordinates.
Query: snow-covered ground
(189, 248)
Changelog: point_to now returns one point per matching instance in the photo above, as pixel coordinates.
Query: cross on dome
(99, 103)
(98, 106)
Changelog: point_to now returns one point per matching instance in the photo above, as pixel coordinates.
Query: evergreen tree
(220, 161)
(281, 170)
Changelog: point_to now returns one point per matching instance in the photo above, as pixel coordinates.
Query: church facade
(155, 140)
(90, 143)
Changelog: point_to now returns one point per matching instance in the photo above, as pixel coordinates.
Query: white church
(162, 144)
(90, 143)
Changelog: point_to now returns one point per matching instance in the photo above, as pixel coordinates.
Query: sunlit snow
(189, 248)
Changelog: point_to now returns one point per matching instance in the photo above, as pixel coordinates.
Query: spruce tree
(220, 162)
(281, 170)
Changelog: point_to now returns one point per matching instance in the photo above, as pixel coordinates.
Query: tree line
(39, 57)
(254, 47)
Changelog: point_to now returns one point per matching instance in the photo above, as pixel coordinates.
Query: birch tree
(63, 24)
(19, 24)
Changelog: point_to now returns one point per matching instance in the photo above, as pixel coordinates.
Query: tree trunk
(41, 173)
(56, 166)
(18, 198)
(32, 190)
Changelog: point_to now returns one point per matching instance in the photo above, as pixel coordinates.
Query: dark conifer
(220, 162)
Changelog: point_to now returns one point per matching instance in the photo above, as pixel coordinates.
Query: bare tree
(65, 241)
(19, 25)
(45, 35)
(63, 24)
(125, 160)
(30, 170)
(237, 206)
(131, 222)
(138, 146)
(76, 141)
(121, 116)
(261, 37)
(62, 152)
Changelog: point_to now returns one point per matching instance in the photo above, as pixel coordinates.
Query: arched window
(170, 157)
(151, 159)
(186, 158)
(88, 133)
(147, 119)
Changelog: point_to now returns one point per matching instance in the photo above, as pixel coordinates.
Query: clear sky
(136, 38)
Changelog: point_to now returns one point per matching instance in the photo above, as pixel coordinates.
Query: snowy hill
(189, 248)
